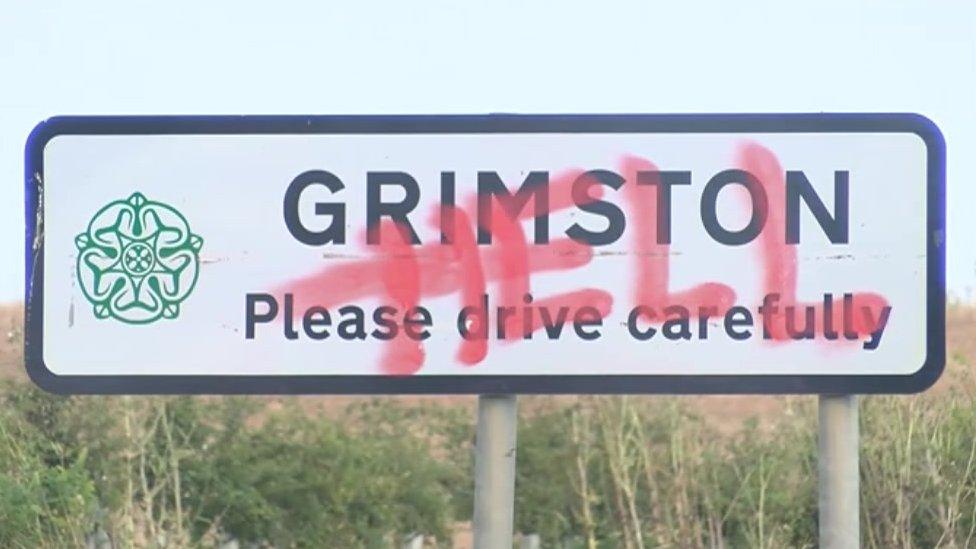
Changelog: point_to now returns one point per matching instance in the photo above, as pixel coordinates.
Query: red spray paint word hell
(484, 243)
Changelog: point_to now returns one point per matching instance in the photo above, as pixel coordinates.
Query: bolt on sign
(486, 254)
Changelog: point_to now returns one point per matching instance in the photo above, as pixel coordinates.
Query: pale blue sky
(175, 57)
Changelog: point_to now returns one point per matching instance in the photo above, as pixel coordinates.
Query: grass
(594, 472)
(650, 473)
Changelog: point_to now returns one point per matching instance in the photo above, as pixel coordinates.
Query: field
(593, 472)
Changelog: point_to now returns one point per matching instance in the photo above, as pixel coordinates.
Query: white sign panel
(716, 253)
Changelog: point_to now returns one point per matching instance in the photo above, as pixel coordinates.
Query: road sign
(486, 254)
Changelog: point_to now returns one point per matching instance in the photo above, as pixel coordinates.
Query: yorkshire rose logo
(138, 261)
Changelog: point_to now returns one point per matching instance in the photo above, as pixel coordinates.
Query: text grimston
(494, 197)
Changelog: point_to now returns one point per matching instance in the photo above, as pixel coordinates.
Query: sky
(364, 57)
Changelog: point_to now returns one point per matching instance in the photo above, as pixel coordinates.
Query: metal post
(494, 472)
(839, 472)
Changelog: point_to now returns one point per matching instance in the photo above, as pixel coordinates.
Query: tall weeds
(646, 472)
(594, 472)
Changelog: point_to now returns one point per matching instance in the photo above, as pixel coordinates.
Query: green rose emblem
(137, 261)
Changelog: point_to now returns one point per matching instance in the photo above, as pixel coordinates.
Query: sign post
(839, 471)
(494, 471)
(494, 255)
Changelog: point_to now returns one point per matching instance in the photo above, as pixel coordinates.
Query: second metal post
(494, 472)
(839, 471)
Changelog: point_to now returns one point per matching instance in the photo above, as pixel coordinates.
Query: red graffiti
(404, 275)
(651, 285)
(779, 260)
(400, 275)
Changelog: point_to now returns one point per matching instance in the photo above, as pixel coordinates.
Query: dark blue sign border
(487, 384)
